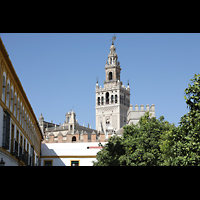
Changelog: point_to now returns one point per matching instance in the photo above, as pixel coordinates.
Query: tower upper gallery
(112, 67)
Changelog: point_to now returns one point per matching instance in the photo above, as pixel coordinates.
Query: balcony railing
(15, 150)
(25, 157)
(20, 153)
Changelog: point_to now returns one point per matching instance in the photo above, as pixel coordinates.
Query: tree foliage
(109, 155)
(184, 148)
(139, 146)
(143, 142)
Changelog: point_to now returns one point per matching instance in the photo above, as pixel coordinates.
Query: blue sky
(58, 71)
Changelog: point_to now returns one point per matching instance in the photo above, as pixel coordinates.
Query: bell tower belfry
(112, 67)
(113, 100)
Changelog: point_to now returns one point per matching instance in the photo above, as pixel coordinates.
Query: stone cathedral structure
(113, 109)
(112, 100)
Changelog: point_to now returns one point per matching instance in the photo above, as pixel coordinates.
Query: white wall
(8, 160)
(62, 153)
(66, 161)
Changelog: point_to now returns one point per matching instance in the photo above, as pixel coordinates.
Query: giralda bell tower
(113, 100)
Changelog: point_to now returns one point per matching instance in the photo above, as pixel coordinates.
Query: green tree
(139, 146)
(109, 155)
(143, 142)
(182, 146)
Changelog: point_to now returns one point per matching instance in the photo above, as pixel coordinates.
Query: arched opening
(115, 98)
(107, 121)
(74, 139)
(15, 105)
(112, 101)
(11, 100)
(20, 113)
(110, 75)
(18, 109)
(22, 118)
(107, 97)
(4, 89)
(110, 60)
(8, 95)
(98, 100)
(102, 100)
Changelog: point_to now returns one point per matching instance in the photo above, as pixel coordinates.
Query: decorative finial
(113, 38)
(41, 117)
(128, 82)
(97, 79)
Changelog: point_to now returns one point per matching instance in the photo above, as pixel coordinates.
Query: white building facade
(69, 154)
(20, 134)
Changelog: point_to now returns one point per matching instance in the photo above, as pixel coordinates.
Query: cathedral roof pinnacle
(41, 117)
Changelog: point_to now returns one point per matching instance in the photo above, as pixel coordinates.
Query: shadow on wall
(49, 157)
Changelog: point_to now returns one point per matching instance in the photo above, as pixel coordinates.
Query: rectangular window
(48, 162)
(16, 146)
(27, 147)
(20, 147)
(12, 137)
(31, 161)
(21, 140)
(17, 136)
(24, 144)
(6, 130)
(74, 162)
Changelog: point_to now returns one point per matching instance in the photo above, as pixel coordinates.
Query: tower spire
(112, 67)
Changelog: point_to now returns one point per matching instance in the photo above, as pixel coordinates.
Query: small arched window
(102, 100)
(107, 121)
(4, 89)
(115, 98)
(107, 97)
(74, 139)
(15, 105)
(98, 100)
(112, 101)
(110, 75)
(8, 95)
(11, 100)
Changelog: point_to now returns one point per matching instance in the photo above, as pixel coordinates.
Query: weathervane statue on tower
(113, 38)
